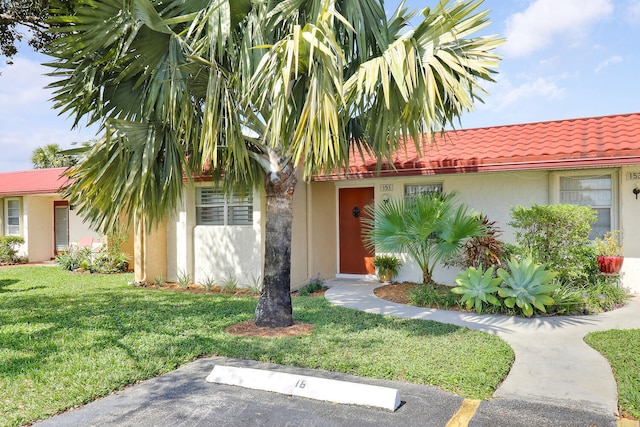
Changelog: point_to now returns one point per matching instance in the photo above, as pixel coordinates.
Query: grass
(622, 349)
(67, 339)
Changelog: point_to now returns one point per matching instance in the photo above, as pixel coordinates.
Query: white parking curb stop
(309, 387)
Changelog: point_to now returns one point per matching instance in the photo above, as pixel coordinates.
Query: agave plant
(527, 285)
(477, 288)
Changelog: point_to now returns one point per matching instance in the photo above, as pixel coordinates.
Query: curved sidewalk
(552, 363)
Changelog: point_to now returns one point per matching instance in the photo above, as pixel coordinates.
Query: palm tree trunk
(274, 307)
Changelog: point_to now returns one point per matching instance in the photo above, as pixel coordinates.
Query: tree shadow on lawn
(96, 340)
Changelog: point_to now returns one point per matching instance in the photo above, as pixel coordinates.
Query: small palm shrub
(526, 285)
(430, 227)
(477, 288)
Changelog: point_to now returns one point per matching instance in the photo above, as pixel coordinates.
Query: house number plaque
(389, 187)
(633, 176)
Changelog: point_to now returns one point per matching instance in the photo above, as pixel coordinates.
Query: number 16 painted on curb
(301, 384)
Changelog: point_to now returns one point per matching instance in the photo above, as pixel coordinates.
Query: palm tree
(50, 156)
(256, 93)
(429, 227)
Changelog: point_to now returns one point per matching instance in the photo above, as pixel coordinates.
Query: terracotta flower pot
(609, 264)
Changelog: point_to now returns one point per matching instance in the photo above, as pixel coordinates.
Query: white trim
(6, 216)
(554, 188)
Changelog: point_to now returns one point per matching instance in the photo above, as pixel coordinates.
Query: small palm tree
(51, 156)
(430, 228)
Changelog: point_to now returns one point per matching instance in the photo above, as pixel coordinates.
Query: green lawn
(622, 349)
(66, 339)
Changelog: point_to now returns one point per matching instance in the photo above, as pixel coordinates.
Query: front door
(354, 257)
(61, 226)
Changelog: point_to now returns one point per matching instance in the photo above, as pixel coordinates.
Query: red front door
(354, 257)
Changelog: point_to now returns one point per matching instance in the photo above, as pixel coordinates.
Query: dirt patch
(250, 329)
(395, 292)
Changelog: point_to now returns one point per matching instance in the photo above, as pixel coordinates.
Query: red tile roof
(36, 181)
(596, 141)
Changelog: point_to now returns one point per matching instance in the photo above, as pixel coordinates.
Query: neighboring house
(589, 161)
(31, 207)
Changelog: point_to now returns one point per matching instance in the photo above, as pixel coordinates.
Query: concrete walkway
(553, 364)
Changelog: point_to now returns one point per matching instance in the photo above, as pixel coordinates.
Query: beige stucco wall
(213, 252)
(494, 194)
(38, 227)
(630, 226)
(322, 226)
(300, 273)
(489, 193)
(150, 247)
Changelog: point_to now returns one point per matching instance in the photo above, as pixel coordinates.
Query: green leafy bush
(477, 288)
(9, 250)
(527, 285)
(558, 236)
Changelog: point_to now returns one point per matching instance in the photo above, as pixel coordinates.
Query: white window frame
(612, 173)
(7, 232)
(227, 204)
(424, 190)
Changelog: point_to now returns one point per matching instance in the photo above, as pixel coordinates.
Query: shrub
(568, 300)
(433, 296)
(482, 251)
(314, 285)
(603, 294)
(75, 258)
(558, 236)
(9, 250)
(103, 261)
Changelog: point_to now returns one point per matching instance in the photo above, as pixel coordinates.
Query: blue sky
(562, 59)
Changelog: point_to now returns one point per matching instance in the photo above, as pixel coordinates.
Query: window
(411, 190)
(12, 217)
(595, 191)
(213, 208)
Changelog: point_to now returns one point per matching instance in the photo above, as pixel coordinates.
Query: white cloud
(507, 95)
(607, 62)
(545, 20)
(27, 120)
(22, 84)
